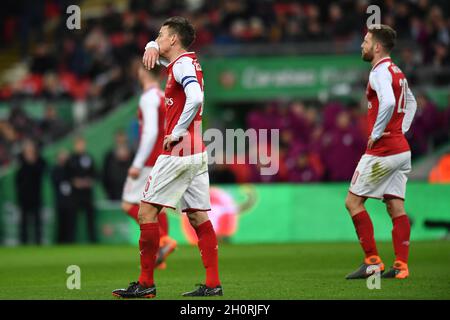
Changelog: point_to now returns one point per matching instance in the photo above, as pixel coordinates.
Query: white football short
(183, 179)
(381, 177)
(134, 188)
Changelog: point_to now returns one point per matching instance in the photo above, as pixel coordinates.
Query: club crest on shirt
(196, 65)
(369, 105)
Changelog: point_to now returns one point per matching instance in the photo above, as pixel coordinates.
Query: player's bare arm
(372, 141)
(134, 172)
(169, 141)
(151, 55)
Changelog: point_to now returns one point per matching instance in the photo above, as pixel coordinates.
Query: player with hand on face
(382, 171)
(181, 171)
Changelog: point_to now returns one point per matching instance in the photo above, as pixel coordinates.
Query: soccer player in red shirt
(382, 171)
(151, 113)
(181, 171)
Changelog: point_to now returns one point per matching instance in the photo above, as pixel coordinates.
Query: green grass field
(265, 271)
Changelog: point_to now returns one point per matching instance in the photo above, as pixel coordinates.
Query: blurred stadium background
(268, 64)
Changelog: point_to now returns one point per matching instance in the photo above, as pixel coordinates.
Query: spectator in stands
(300, 167)
(115, 166)
(7, 139)
(63, 195)
(343, 149)
(52, 89)
(82, 175)
(221, 173)
(52, 127)
(22, 124)
(93, 66)
(30, 22)
(423, 129)
(408, 64)
(43, 59)
(29, 179)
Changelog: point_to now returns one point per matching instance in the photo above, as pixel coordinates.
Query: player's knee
(395, 209)
(354, 205)
(148, 213)
(350, 204)
(197, 218)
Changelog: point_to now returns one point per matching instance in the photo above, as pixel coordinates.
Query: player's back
(399, 86)
(386, 73)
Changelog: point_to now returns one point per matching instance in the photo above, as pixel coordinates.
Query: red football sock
(133, 212)
(148, 247)
(163, 224)
(400, 237)
(207, 244)
(364, 230)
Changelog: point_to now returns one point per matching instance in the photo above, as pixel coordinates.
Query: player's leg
(394, 199)
(364, 230)
(132, 193)
(208, 247)
(196, 203)
(148, 241)
(360, 190)
(168, 181)
(166, 244)
(132, 209)
(363, 224)
(148, 248)
(400, 238)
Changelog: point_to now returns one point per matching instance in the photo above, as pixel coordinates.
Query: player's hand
(371, 141)
(169, 141)
(134, 172)
(151, 55)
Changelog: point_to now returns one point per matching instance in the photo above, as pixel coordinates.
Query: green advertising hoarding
(280, 213)
(316, 213)
(230, 79)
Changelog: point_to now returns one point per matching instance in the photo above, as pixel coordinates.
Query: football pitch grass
(263, 271)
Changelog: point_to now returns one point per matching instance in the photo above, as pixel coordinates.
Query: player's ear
(173, 39)
(378, 47)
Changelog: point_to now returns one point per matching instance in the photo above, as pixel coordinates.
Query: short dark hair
(383, 34)
(183, 28)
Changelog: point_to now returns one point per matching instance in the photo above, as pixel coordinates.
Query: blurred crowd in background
(95, 69)
(324, 142)
(226, 22)
(96, 66)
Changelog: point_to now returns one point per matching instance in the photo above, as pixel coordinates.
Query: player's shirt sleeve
(161, 61)
(148, 104)
(381, 81)
(184, 73)
(411, 107)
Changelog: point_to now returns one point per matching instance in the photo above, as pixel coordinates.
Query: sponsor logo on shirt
(168, 101)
